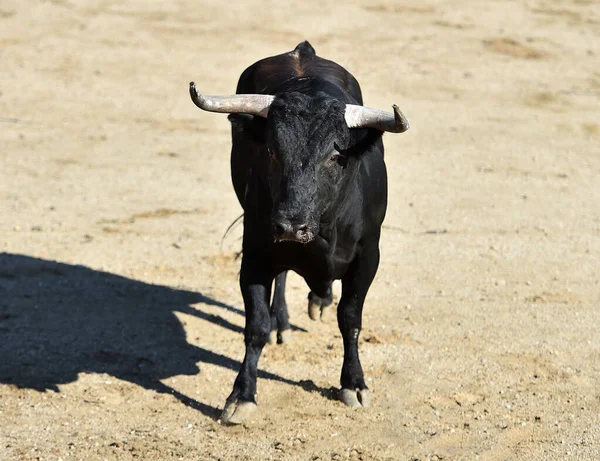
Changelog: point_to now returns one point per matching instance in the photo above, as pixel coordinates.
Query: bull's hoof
(316, 312)
(284, 337)
(272, 337)
(280, 337)
(356, 398)
(236, 412)
(326, 313)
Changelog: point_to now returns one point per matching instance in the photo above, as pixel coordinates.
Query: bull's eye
(335, 158)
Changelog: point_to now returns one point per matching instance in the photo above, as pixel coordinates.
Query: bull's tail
(231, 226)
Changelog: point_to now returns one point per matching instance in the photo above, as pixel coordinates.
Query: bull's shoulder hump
(265, 75)
(305, 48)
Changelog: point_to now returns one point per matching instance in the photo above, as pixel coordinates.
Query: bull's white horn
(366, 117)
(254, 104)
(258, 104)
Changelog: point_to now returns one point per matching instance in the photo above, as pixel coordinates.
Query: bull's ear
(363, 140)
(249, 125)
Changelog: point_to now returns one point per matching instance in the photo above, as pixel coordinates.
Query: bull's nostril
(278, 229)
(285, 229)
(303, 229)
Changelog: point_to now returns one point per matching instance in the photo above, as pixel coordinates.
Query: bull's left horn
(366, 117)
(254, 104)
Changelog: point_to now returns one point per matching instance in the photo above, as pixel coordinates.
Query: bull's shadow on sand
(57, 320)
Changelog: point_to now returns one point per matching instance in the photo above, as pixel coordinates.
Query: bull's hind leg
(255, 283)
(280, 320)
(355, 285)
(320, 307)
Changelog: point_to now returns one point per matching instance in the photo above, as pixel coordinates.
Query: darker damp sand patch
(513, 48)
(159, 213)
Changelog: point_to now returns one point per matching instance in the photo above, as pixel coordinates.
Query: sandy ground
(120, 314)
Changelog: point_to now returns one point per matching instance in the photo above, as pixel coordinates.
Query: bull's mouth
(303, 238)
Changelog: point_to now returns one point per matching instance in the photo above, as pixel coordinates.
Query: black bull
(308, 169)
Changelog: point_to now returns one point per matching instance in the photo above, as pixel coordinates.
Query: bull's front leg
(355, 285)
(255, 283)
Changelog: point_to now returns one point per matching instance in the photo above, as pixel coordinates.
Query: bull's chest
(317, 262)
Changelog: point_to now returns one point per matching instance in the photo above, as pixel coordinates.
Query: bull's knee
(257, 332)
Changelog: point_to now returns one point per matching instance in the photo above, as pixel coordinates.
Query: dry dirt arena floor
(120, 315)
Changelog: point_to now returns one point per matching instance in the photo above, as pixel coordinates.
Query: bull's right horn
(253, 104)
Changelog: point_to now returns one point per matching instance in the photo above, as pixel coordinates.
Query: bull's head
(306, 140)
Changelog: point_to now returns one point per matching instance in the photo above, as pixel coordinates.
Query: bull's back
(268, 75)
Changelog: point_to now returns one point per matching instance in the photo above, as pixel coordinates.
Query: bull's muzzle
(286, 230)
